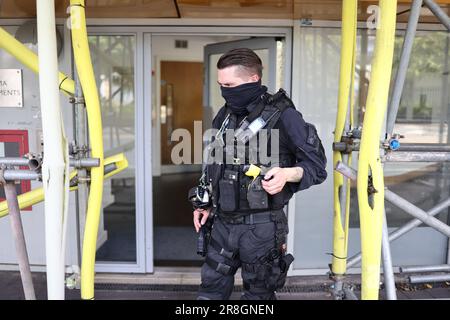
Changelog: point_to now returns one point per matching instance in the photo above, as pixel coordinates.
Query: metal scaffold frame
(375, 238)
(93, 168)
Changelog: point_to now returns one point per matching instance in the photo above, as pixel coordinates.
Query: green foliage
(428, 54)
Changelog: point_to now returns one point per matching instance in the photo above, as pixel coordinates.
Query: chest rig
(242, 142)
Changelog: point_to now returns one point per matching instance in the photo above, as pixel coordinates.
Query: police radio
(199, 197)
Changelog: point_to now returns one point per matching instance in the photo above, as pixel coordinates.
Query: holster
(273, 273)
(277, 277)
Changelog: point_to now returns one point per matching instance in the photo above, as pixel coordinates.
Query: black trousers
(251, 242)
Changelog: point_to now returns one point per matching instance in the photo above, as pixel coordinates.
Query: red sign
(14, 143)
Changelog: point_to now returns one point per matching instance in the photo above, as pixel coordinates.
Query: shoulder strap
(227, 119)
(282, 101)
(276, 106)
(259, 108)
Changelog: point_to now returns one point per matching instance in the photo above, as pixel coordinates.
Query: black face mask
(238, 98)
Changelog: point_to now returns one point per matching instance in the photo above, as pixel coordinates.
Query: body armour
(232, 191)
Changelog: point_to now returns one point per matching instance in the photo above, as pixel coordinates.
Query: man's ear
(254, 78)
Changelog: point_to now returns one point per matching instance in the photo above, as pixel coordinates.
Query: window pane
(423, 112)
(113, 59)
(422, 118)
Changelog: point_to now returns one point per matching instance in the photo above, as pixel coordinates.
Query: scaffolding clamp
(34, 160)
(74, 280)
(77, 100)
(76, 150)
(355, 133)
(393, 143)
(348, 144)
(83, 180)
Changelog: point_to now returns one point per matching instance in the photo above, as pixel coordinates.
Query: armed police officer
(241, 196)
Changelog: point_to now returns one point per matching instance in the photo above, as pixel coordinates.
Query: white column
(55, 150)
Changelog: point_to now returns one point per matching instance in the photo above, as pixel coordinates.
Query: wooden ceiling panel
(96, 9)
(317, 10)
(23, 8)
(258, 9)
(331, 10)
(224, 9)
(131, 9)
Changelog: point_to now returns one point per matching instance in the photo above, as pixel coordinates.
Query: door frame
(157, 167)
(143, 116)
(139, 265)
(283, 32)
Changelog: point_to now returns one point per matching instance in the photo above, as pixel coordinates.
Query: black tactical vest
(233, 192)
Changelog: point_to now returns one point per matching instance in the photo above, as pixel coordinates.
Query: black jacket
(299, 140)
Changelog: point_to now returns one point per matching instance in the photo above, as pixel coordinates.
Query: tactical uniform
(249, 226)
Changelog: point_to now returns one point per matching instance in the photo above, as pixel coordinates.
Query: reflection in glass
(423, 111)
(422, 118)
(113, 59)
(423, 114)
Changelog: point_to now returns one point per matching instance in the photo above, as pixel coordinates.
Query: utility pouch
(285, 262)
(256, 195)
(228, 191)
(213, 174)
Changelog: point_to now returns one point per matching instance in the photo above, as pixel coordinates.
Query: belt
(252, 218)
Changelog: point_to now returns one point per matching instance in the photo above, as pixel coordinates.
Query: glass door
(120, 239)
(181, 80)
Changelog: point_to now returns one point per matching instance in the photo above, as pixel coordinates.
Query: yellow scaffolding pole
(370, 182)
(87, 79)
(29, 59)
(344, 120)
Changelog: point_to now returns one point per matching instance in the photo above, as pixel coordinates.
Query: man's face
(233, 77)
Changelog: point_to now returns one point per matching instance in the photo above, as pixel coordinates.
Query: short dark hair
(243, 57)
